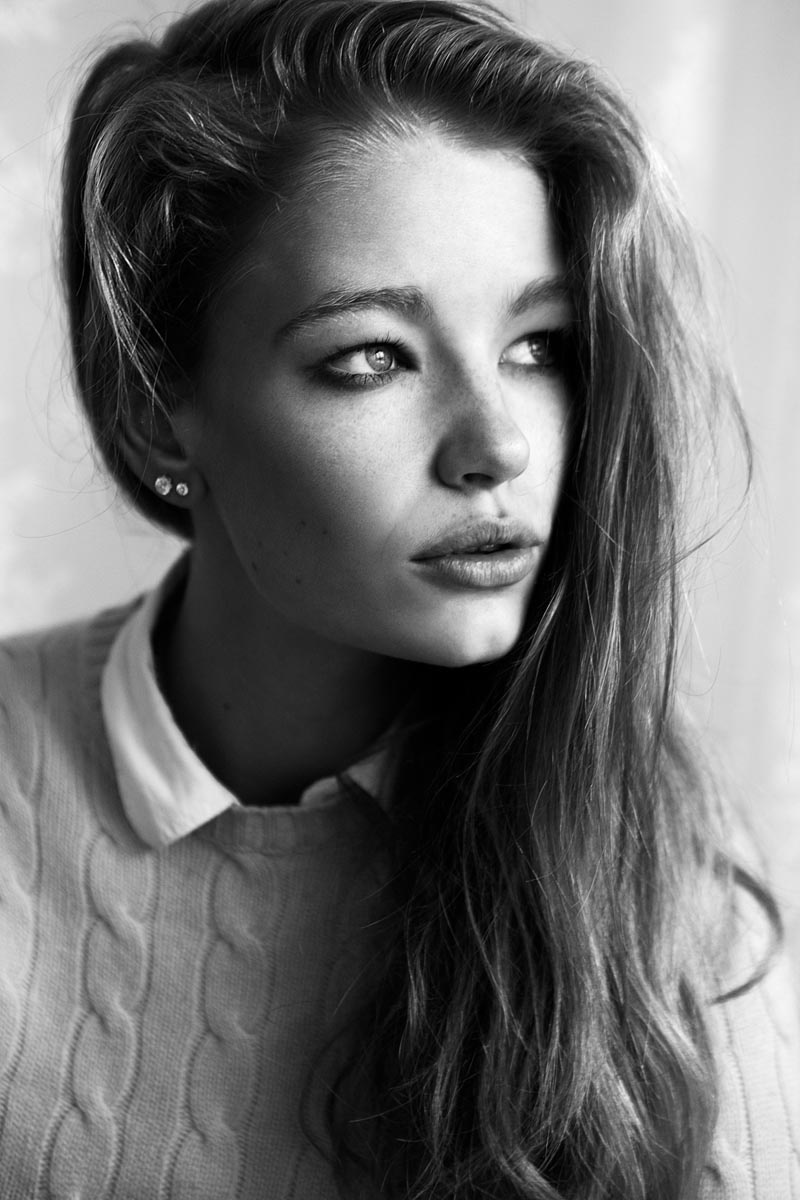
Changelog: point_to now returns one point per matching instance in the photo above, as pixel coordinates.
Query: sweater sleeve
(756, 1149)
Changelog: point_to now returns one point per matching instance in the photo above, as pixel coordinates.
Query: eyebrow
(407, 301)
(410, 302)
(552, 290)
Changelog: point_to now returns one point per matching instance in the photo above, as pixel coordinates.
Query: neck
(268, 707)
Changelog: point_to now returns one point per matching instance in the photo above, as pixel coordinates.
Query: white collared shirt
(166, 791)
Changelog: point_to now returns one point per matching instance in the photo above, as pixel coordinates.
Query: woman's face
(381, 414)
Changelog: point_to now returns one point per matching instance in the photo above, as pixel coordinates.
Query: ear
(153, 450)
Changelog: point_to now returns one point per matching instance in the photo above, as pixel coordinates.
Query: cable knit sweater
(160, 1009)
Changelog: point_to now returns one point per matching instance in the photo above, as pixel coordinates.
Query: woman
(367, 856)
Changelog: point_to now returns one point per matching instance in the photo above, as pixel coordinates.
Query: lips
(482, 555)
(480, 537)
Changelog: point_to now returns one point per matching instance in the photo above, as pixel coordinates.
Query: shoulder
(47, 676)
(756, 1032)
(27, 660)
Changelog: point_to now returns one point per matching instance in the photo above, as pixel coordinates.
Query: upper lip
(494, 532)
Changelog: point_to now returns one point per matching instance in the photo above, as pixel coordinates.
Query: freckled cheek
(331, 494)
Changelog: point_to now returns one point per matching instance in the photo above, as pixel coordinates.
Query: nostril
(478, 478)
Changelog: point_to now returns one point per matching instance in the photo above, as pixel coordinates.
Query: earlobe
(154, 452)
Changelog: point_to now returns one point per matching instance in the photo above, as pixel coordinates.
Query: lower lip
(501, 569)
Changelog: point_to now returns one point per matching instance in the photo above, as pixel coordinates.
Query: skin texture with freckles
(332, 453)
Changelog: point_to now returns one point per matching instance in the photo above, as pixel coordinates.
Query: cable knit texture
(161, 1010)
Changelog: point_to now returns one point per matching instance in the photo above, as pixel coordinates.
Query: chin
(462, 647)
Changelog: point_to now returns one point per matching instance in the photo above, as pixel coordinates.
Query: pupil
(378, 359)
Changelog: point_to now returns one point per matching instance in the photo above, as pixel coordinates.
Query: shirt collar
(166, 791)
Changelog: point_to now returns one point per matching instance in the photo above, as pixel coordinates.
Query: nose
(483, 445)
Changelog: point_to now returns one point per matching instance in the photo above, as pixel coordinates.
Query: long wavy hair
(540, 1027)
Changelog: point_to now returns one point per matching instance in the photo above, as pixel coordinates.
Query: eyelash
(345, 379)
(556, 341)
(554, 349)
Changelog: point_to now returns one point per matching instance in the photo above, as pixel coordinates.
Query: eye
(374, 363)
(540, 351)
(377, 359)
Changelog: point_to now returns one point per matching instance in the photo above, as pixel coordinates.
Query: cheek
(315, 487)
(559, 456)
(548, 435)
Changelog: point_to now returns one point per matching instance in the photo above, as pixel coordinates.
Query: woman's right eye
(365, 366)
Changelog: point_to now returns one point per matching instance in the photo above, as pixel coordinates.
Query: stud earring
(163, 485)
(182, 489)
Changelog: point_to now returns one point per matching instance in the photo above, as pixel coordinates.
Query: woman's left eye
(541, 351)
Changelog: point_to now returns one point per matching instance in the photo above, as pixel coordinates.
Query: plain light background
(718, 85)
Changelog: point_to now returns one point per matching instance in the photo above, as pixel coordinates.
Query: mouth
(481, 537)
(488, 553)
(488, 548)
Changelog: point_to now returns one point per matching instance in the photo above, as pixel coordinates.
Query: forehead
(457, 222)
